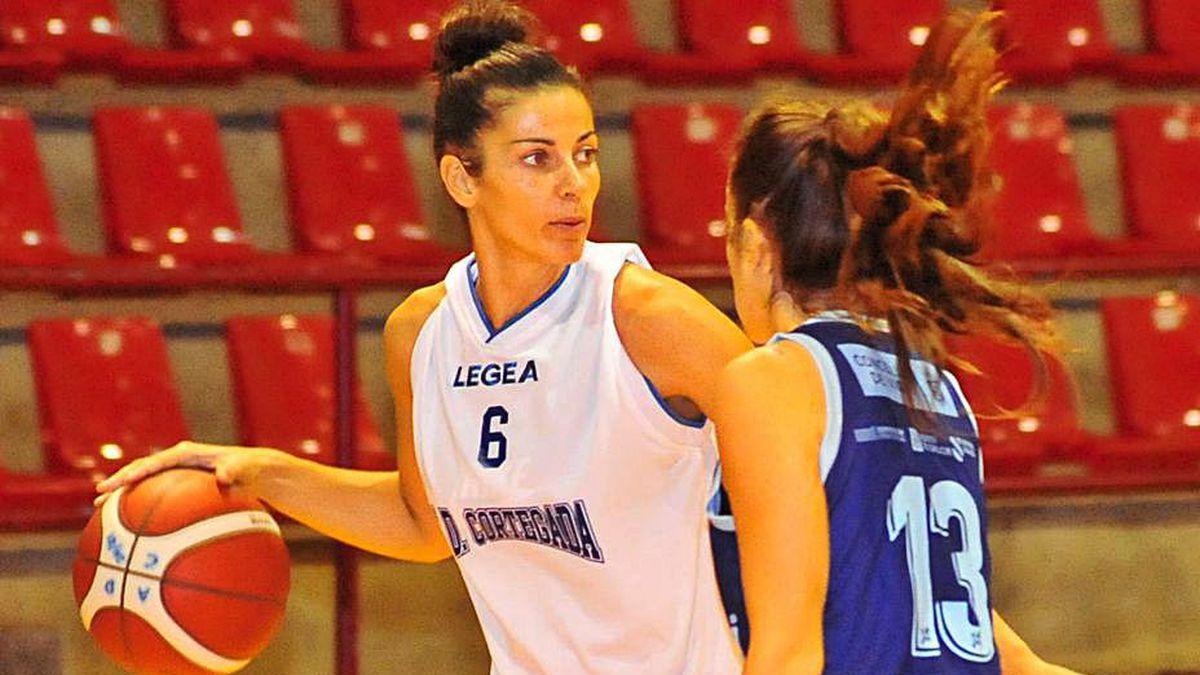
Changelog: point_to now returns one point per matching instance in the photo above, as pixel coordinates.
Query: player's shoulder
(644, 297)
(405, 322)
(781, 371)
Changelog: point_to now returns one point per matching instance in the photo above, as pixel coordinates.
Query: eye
(535, 158)
(587, 155)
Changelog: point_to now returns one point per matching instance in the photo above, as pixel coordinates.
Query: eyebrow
(547, 141)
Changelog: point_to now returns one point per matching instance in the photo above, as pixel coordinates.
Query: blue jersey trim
(695, 424)
(472, 279)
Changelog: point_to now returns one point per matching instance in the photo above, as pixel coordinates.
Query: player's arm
(382, 512)
(770, 419)
(1016, 658)
(676, 337)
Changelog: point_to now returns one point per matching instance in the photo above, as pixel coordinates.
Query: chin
(566, 251)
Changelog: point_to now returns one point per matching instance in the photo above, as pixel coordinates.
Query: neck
(785, 313)
(507, 285)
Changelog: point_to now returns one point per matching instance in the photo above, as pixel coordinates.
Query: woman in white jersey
(851, 461)
(549, 397)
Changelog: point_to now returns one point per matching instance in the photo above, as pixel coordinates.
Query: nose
(571, 181)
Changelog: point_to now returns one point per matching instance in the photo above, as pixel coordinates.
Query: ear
(756, 246)
(458, 181)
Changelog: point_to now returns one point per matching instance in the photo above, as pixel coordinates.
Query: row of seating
(1152, 344)
(390, 40)
(167, 194)
(106, 395)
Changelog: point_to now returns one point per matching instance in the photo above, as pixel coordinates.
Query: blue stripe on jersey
(662, 402)
(473, 280)
(909, 566)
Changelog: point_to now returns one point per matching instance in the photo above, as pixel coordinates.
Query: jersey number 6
(493, 446)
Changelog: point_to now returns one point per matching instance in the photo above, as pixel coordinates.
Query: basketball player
(851, 457)
(548, 397)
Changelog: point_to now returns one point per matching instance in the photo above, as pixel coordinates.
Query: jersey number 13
(920, 519)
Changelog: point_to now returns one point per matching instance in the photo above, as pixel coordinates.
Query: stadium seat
(1155, 373)
(598, 36)
(105, 392)
(350, 185)
(283, 376)
(1159, 151)
(42, 501)
(1017, 444)
(1172, 49)
(88, 33)
(266, 31)
(1052, 46)
(681, 156)
(29, 67)
(165, 188)
(387, 40)
(878, 44)
(750, 35)
(1040, 212)
(28, 228)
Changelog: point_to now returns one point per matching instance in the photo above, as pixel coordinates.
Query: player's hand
(234, 466)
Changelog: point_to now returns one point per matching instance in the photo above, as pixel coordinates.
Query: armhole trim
(962, 397)
(662, 402)
(832, 439)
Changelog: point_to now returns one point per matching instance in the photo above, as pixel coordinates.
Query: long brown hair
(882, 214)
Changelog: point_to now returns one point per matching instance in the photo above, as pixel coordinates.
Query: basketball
(179, 575)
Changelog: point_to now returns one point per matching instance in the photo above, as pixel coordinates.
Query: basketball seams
(191, 585)
(137, 535)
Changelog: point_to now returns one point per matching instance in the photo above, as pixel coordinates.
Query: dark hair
(881, 214)
(482, 47)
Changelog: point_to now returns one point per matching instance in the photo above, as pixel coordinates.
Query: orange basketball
(178, 575)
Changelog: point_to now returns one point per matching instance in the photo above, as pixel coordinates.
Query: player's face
(540, 177)
(751, 267)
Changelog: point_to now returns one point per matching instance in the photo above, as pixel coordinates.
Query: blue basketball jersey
(909, 565)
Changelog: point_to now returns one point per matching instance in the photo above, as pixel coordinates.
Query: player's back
(909, 566)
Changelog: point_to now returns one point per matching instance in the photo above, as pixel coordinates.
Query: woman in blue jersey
(851, 458)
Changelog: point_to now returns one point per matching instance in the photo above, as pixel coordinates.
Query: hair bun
(476, 28)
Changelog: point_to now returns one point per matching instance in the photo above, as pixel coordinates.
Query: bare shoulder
(405, 322)
(404, 325)
(674, 335)
(780, 375)
(647, 304)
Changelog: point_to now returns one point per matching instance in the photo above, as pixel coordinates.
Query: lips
(568, 222)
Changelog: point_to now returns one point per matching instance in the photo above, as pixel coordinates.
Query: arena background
(1101, 582)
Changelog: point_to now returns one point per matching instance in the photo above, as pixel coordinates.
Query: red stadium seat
(1153, 345)
(1040, 212)
(878, 43)
(1051, 46)
(28, 228)
(387, 40)
(1015, 445)
(350, 185)
(166, 191)
(41, 501)
(266, 31)
(105, 392)
(597, 37)
(282, 368)
(681, 154)
(29, 67)
(751, 34)
(1173, 50)
(87, 32)
(1159, 149)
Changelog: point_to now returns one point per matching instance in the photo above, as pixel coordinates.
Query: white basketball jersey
(573, 500)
